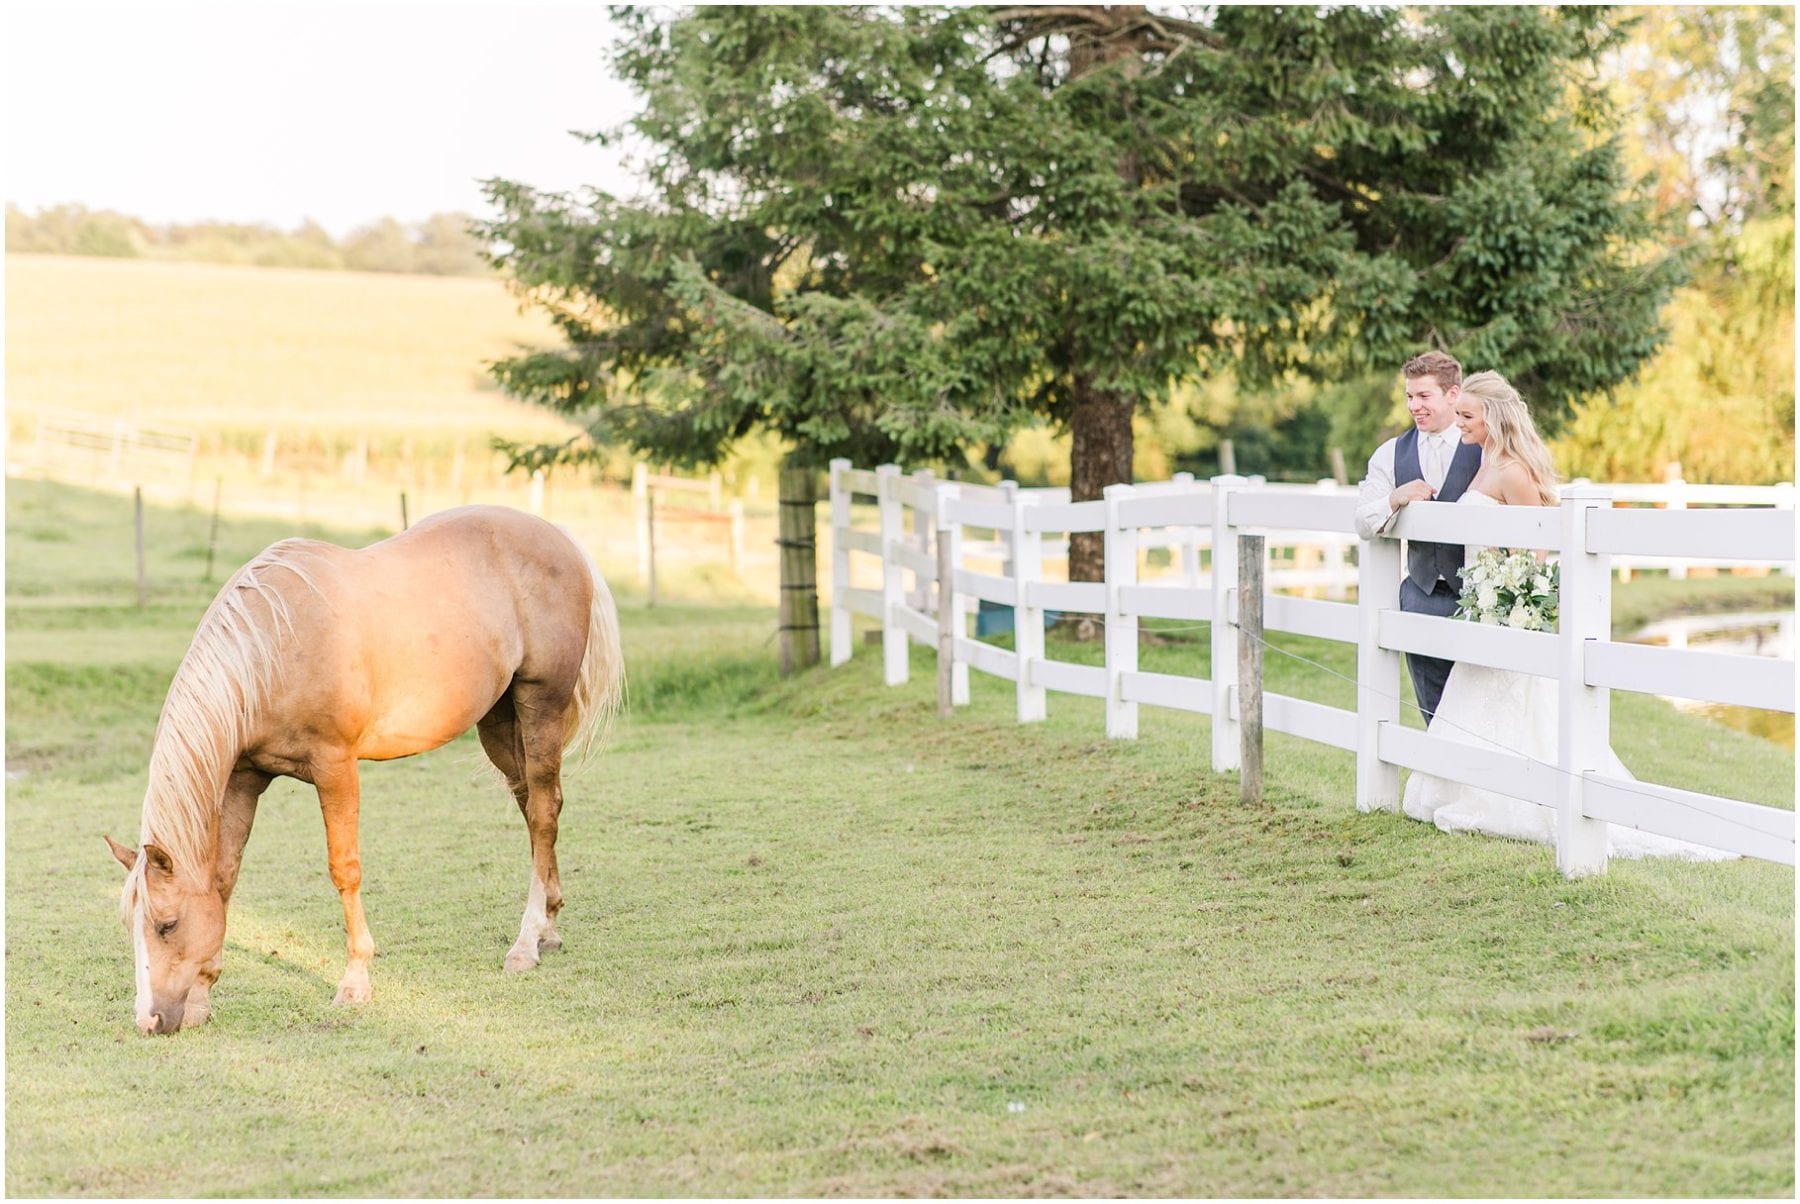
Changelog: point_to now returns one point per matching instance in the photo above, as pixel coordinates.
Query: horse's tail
(600, 687)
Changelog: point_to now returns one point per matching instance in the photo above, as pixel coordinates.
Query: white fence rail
(921, 520)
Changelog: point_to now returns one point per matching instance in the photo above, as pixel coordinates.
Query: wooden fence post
(948, 600)
(1225, 746)
(1028, 619)
(1121, 628)
(143, 572)
(797, 538)
(1583, 711)
(1377, 673)
(894, 654)
(212, 534)
(1251, 557)
(840, 563)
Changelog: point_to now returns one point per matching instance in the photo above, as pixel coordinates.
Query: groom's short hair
(1445, 370)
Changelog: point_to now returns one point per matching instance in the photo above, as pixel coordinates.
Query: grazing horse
(314, 657)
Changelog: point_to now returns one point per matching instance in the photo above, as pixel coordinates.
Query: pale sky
(266, 112)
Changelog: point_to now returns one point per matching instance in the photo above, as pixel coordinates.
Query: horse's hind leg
(523, 738)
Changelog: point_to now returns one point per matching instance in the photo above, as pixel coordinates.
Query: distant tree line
(441, 245)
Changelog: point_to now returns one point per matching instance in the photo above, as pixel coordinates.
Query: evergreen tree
(897, 234)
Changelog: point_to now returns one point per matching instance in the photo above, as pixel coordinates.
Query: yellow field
(220, 348)
(323, 398)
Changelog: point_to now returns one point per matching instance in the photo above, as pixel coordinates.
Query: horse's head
(177, 933)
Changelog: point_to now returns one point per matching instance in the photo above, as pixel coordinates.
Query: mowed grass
(822, 943)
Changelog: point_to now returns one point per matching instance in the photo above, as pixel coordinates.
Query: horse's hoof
(550, 944)
(352, 993)
(516, 961)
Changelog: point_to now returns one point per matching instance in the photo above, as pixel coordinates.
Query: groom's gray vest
(1426, 562)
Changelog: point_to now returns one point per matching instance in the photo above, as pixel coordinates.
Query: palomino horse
(314, 657)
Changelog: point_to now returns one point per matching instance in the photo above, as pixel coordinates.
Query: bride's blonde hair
(1511, 433)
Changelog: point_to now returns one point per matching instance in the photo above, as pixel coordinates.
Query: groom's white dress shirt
(1373, 513)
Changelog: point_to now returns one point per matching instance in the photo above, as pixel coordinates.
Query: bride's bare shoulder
(1517, 485)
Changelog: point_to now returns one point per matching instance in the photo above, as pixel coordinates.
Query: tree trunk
(1101, 456)
(798, 528)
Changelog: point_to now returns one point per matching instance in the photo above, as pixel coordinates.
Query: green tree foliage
(75, 230)
(893, 233)
(441, 245)
(1711, 93)
(1719, 401)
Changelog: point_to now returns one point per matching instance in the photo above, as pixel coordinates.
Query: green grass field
(821, 943)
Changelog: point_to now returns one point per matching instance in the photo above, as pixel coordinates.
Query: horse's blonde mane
(216, 702)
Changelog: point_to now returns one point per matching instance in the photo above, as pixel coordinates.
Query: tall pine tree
(897, 233)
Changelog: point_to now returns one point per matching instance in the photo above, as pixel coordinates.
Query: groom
(1427, 463)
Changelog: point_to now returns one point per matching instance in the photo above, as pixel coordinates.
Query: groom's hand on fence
(1412, 491)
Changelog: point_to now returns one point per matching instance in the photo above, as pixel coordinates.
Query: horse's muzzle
(161, 1023)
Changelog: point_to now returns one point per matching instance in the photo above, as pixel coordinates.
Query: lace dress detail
(1513, 712)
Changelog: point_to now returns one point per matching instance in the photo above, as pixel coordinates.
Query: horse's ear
(157, 864)
(127, 857)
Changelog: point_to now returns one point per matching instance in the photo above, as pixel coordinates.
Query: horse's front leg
(237, 812)
(340, 800)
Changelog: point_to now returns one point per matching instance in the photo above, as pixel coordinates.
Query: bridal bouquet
(1509, 590)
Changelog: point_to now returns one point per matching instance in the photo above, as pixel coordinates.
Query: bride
(1495, 708)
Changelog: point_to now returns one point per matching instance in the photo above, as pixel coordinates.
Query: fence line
(922, 524)
(648, 511)
(88, 447)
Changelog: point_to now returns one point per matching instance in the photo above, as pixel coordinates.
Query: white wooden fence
(922, 523)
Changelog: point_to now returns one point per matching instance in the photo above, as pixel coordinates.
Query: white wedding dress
(1514, 712)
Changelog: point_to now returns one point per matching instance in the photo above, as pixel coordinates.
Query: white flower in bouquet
(1512, 590)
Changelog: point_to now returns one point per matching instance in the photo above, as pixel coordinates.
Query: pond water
(1763, 634)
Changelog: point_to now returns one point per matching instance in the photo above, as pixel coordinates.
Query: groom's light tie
(1431, 461)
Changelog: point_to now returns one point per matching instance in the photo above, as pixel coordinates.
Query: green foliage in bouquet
(1510, 590)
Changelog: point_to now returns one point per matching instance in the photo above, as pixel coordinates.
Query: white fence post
(1028, 619)
(1377, 673)
(1677, 500)
(1187, 539)
(1336, 554)
(1226, 754)
(894, 653)
(840, 564)
(924, 540)
(1784, 500)
(1121, 628)
(949, 533)
(1583, 711)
